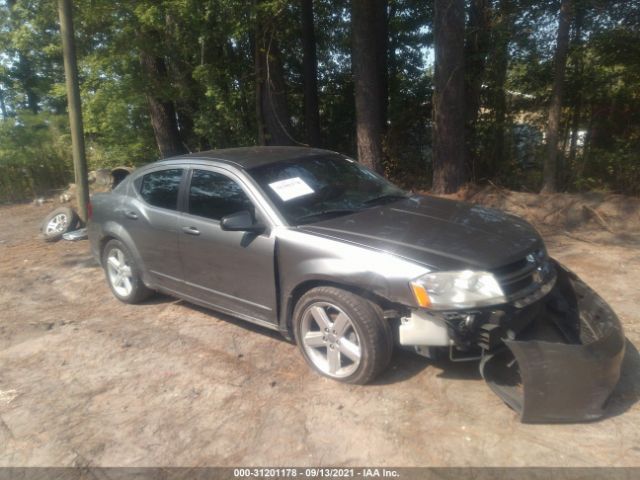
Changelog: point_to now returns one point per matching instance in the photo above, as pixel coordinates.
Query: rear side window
(212, 195)
(160, 188)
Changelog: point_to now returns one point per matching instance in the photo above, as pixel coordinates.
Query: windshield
(312, 189)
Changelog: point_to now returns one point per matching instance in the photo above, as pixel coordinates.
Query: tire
(354, 354)
(123, 274)
(59, 221)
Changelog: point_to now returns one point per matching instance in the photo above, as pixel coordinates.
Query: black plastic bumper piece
(564, 366)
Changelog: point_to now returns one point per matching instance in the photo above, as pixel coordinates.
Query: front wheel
(342, 335)
(123, 275)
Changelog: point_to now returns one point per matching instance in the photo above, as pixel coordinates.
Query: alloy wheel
(57, 224)
(119, 272)
(330, 340)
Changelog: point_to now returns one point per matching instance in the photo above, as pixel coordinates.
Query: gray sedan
(312, 244)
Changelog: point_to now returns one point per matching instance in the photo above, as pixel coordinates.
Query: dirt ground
(88, 381)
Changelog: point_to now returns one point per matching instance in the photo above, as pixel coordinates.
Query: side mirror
(241, 222)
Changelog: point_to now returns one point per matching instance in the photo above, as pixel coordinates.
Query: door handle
(131, 214)
(191, 230)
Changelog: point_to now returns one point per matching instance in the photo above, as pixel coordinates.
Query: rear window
(160, 188)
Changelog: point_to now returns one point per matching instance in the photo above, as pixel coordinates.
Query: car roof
(249, 157)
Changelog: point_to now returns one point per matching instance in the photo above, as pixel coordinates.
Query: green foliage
(207, 48)
(616, 169)
(116, 122)
(34, 155)
(601, 97)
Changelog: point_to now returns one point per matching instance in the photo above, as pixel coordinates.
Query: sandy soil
(88, 381)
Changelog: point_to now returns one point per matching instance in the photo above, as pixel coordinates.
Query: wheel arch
(303, 287)
(113, 231)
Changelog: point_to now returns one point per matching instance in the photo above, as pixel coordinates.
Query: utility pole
(75, 108)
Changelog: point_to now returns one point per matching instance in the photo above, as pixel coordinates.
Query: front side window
(160, 188)
(213, 195)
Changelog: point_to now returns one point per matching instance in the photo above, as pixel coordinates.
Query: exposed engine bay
(556, 359)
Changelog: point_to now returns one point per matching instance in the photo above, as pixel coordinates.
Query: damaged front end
(565, 363)
(554, 356)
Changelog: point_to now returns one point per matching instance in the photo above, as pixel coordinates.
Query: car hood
(438, 233)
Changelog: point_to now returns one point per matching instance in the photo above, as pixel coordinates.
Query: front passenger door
(230, 271)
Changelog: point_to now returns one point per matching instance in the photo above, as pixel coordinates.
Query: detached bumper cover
(564, 366)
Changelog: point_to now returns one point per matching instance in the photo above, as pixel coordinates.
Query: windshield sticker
(291, 188)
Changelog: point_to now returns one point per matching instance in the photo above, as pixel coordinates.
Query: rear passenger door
(151, 218)
(230, 271)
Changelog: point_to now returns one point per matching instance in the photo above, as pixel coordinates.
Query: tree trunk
(3, 107)
(187, 106)
(577, 107)
(161, 108)
(237, 58)
(448, 97)
(28, 79)
(367, 59)
(501, 36)
(381, 26)
(274, 123)
(550, 172)
(24, 68)
(476, 50)
(310, 75)
(575, 127)
(586, 148)
(392, 61)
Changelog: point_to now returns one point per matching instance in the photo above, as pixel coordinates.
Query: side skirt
(211, 306)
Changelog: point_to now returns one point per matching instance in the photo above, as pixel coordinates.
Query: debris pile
(589, 217)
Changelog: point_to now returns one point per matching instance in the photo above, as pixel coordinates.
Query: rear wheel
(123, 275)
(342, 335)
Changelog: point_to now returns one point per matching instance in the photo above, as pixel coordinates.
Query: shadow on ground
(245, 325)
(405, 364)
(79, 260)
(627, 392)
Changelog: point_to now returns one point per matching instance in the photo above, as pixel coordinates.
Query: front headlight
(453, 290)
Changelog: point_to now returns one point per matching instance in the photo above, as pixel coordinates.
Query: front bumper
(564, 365)
(557, 359)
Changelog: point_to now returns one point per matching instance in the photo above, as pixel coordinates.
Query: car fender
(305, 260)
